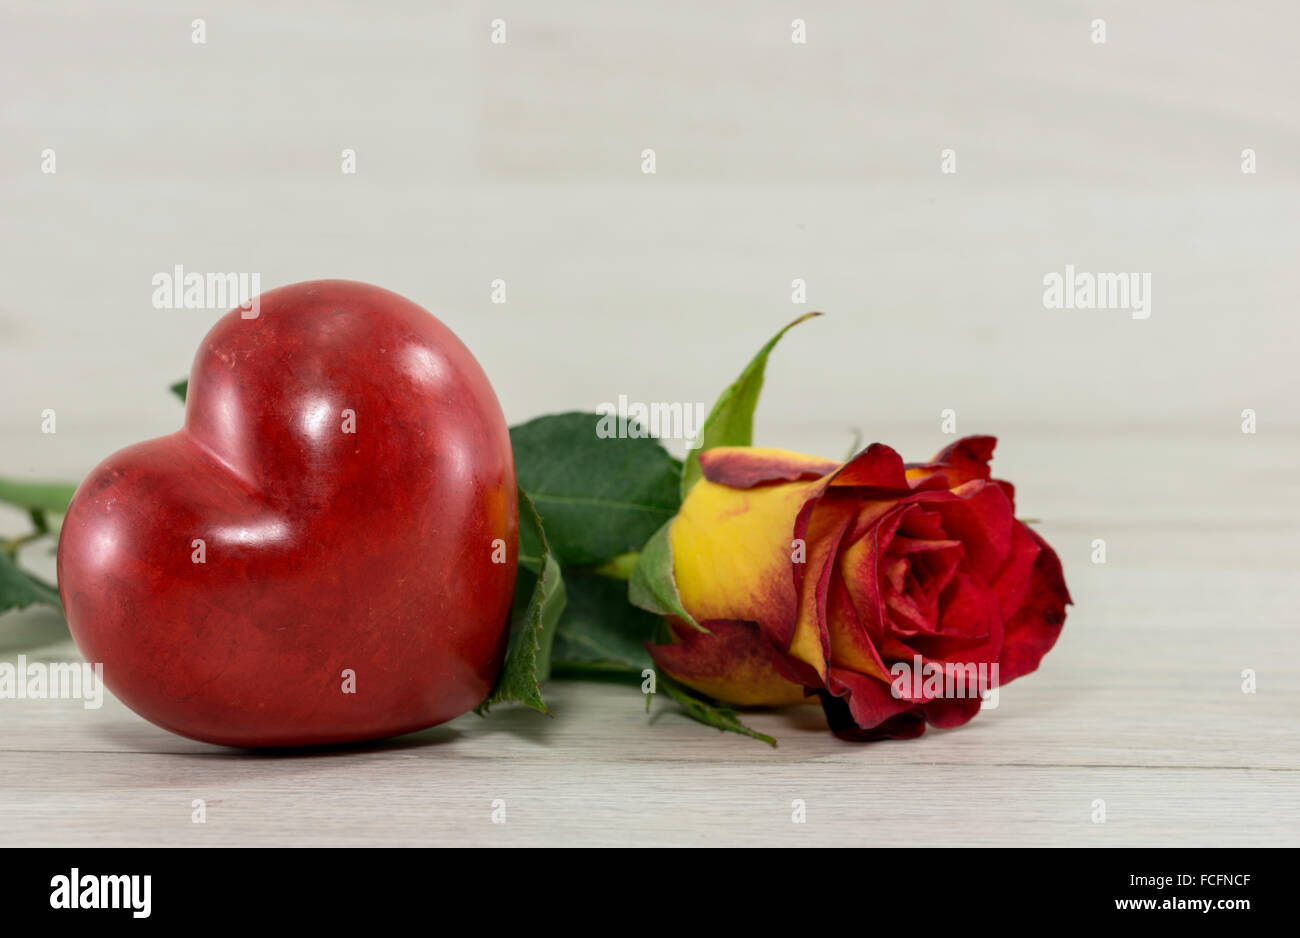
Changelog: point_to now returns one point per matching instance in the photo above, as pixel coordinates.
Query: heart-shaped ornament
(325, 552)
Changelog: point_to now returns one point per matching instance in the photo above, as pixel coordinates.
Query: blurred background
(775, 161)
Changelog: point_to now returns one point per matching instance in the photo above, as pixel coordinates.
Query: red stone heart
(347, 469)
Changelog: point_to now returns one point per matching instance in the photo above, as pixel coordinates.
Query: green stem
(11, 545)
(618, 568)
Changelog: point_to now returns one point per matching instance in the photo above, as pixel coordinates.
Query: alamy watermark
(1083, 290)
(53, 680)
(79, 890)
(932, 680)
(640, 420)
(176, 289)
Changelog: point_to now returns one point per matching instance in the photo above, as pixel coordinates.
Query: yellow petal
(732, 552)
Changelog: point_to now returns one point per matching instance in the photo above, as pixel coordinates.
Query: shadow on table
(516, 720)
(129, 737)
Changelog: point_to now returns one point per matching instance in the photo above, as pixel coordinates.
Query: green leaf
(37, 496)
(707, 711)
(731, 422)
(19, 589)
(538, 601)
(532, 544)
(600, 630)
(180, 387)
(651, 585)
(599, 497)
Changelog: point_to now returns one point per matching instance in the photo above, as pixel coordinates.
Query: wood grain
(1140, 705)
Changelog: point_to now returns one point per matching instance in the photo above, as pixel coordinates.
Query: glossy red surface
(326, 551)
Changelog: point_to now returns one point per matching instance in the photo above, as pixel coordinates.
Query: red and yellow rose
(814, 577)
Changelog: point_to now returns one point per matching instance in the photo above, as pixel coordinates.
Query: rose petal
(979, 515)
(732, 552)
(870, 702)
(948, 712)
(877, 466)
(970, 456)
(1037, 624)
(969, 629)
(732, 663)
(1011, 583)
(955, 464)
(821, 528)
(851, 644)
(743, 467)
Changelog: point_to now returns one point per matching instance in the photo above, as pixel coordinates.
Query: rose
(842, 579)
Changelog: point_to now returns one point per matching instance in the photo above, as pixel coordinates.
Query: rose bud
(848, 579)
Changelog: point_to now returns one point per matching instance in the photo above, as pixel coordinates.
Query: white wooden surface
(775, 161)
(1139, 705)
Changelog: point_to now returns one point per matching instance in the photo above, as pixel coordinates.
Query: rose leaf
(731, 422)
(539, 600)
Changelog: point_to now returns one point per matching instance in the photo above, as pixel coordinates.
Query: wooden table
(1140, 705)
